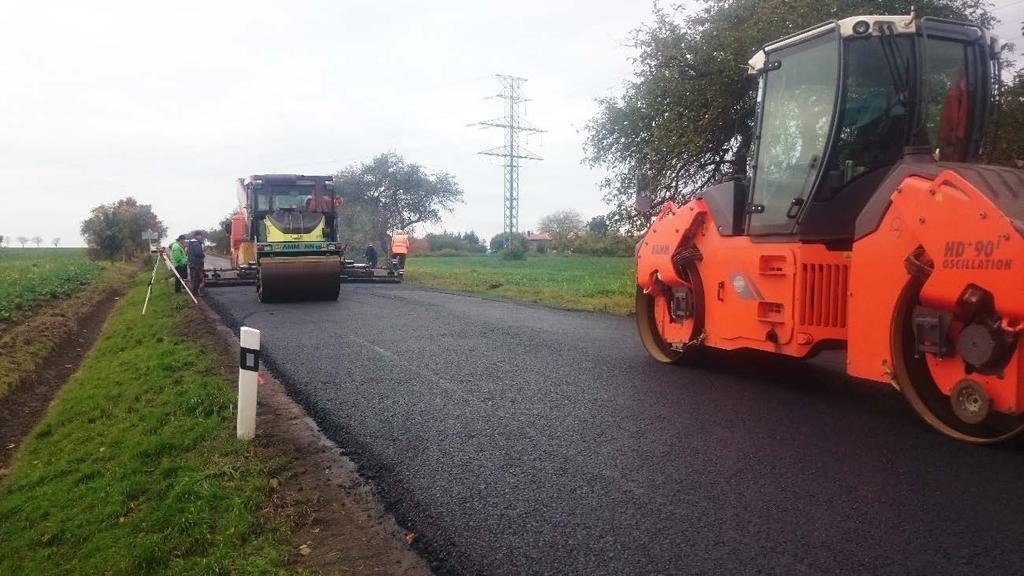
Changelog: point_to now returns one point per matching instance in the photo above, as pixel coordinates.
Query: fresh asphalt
(518, 439)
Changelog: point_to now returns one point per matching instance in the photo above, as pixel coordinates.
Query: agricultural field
(577, 282)
(32, 275)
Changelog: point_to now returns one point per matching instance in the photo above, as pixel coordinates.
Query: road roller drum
(299, 278)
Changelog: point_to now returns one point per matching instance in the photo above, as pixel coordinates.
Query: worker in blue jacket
(196, 262)
(371, 256)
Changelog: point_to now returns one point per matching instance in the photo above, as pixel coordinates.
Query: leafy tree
(598, 225)
(563, 226)
(22, 240)
(115, 230)
(102, 233)
(497, 243)
(687, 118)
(2, 240)
(388, 193)
(472, 239)
(55, 242)
(1006, 145)
(220, 237)
(37, 240)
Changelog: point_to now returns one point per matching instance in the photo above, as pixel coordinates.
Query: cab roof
(857, 26)
(286, 179)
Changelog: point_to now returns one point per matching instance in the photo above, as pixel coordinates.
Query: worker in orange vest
(399, 247)
(952, 133)
(326, 204)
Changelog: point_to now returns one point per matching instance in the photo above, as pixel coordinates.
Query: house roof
(538, 237)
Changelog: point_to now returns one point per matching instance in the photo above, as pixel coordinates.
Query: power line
(512, 151)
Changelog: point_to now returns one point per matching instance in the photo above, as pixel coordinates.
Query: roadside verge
(135, 468)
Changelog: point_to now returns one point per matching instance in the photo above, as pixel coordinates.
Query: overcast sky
(170, 102)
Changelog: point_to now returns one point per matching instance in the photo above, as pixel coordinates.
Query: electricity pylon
(512, 151)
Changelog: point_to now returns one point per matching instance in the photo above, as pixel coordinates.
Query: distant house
(539, 241)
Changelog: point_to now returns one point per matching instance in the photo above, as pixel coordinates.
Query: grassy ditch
(135, 468)
(602, 284)
(35, 331)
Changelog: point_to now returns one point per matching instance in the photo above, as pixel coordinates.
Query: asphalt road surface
(518, 439)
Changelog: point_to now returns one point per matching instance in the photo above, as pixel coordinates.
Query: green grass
(578, 282)
(135, 468)
(32, 275)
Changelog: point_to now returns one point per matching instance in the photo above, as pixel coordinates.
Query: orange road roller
(866, 222)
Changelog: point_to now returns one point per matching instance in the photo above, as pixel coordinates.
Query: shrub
(448, 252)
(611, 244)
(497, 243)
(444, 241)
(514, 253)
(463, 242)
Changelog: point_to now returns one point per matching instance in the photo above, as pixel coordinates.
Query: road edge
(343, 502)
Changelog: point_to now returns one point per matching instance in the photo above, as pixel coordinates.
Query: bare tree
(56, 241)
(563, 227)
(37, 240)
(22, 240)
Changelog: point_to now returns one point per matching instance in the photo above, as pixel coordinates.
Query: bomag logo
(660, 249)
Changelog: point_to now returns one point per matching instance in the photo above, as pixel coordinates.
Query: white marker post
(248, 375)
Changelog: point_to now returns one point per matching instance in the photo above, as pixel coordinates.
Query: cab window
(799, 97)
(947, 106)
(874, 119)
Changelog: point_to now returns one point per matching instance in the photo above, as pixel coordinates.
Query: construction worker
(371, 256)
(179, 259)
(953, 123)
(399, 247)
(325, 204)
(196, 262)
